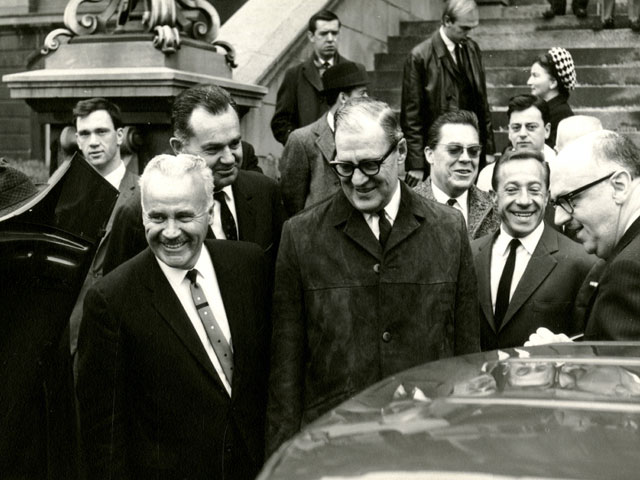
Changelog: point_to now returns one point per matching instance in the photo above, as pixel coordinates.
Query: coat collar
(243, 197)
(324, 138)
(632, 232)
(443, 54)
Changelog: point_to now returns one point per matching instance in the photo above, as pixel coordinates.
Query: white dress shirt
(500, 252)
(390, 212)
(115, 177)
(461, 204)
(217, 219)
(209, 284)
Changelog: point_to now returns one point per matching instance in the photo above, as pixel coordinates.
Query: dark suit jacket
(429, 89)
(544, 296)
(615, 302)
(127, 190)
(300, 100)
(348, 314)
(151, 402)
(483, 218)
(258, 206)
(305, 174)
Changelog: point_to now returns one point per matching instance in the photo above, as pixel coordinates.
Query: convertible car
(563, 411)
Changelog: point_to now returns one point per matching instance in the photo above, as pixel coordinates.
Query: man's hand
(413, 177)
(544, 336)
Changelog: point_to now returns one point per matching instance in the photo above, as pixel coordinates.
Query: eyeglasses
(564, 201)
(367, 167)
(455, 149)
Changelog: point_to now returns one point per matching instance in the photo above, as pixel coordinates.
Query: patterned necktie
(504, 287)
(217, 339)
(226, 218)
(385, 228)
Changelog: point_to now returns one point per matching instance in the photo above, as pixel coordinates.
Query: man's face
(176, 218)
(217, 139)
(527, 130)
(454, 174)
(325, 38)
(595, 213)
(521, 196)
(368, 194)
(99, 141)
(459, 30)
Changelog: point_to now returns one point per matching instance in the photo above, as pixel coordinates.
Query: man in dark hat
(15, 188)
(306, 175)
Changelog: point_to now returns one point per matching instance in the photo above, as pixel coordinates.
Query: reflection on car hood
(561, 411)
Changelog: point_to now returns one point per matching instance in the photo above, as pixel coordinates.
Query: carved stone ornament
(169, 20)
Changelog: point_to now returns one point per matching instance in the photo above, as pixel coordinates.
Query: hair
(87, 107)
(324, 15)
(612, 147)
(454, 8)
(213, 99)
(574, 127)
(177, 166)
(519, 103)
(456, 117)
(350, 116)
(525, 154)
(546, 61)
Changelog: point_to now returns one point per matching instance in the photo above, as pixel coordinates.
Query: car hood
(562, 411)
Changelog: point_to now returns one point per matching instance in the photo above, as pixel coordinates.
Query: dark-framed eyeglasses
(565, 201)
(367, 167)
(455, 149)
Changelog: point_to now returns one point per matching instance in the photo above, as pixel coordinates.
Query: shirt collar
(442, 197)
(228, 193)
(391, 209)
(177, 275)
(319, 63)
(331, 120)
(447, 41)
(530, 242)
(115, 177)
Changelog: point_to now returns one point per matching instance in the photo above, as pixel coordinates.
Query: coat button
(386, 336)
(376, 268)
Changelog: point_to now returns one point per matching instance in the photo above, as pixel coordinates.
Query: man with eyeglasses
(528, 273)
(594, 188)
(453, 152)
(369, 282)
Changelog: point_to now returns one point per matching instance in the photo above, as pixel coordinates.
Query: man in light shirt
(173, 348)
(371, 281)
(453, 152)
(528, 273)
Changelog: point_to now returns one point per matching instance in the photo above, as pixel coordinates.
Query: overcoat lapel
(343, 216)
(325, 142)
(443, 54)
(406, 222)
(311, 73)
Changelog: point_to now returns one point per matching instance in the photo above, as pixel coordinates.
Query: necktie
(385, 228)
(504, 287)
(451, 202)
(217, 339)
(226, 218)
(459, 57)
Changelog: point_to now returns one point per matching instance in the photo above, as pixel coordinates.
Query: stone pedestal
(130, 71)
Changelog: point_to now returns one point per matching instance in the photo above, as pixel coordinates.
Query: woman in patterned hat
(552, 76)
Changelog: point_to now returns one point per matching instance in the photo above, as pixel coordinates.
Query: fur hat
(563, 63)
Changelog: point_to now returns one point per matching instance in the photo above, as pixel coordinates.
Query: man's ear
(310, 36)
(446, 21)
(176, 145)
(119, 136)
(402, 150)
(622, 186)
(428, 155)
(547, 130)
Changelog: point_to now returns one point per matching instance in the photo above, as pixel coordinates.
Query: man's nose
(358, 178)
(171, 229)
(226, 155)
(523, 197)
(331, 37)
(94, 138)
(560, 217)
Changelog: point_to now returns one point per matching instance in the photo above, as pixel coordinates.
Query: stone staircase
(607, 61)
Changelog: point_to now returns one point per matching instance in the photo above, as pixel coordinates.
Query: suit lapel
(242, 197)
(324, 140)
(484, 282)
(168, 306)
(539, 267)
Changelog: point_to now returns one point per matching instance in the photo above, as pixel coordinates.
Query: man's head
(459, 18)
(574, 127)
(177, 207)
(368, 135)
(324, 28)
(521, 182)
(99, 133)
(205, 123)
(344, 81)
(453, 151)
(529, 123)
(593, 187)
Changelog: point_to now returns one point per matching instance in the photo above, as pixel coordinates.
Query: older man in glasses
(371, 281)
(453, 152)
(594, 188)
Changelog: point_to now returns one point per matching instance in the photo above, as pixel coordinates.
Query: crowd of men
(224, 311)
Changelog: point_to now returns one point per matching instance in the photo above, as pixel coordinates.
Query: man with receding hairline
(574, 127)
(371, 281)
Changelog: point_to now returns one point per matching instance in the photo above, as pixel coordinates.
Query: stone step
(535, 9)
(517, 76)
(542, 40)
(601, 96)
(524, 57)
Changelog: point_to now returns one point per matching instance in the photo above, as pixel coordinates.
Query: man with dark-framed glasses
(594, 190)
(371, 281)
(453, 153)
